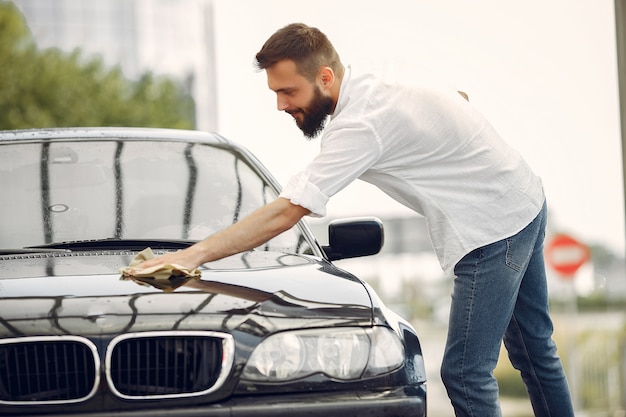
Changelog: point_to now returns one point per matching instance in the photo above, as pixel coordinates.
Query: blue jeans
(500, 293)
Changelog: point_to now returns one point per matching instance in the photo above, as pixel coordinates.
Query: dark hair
(308, 47)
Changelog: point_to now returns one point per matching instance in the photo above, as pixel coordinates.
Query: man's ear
(326, 78)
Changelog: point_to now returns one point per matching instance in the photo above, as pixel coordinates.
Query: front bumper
(401, 402)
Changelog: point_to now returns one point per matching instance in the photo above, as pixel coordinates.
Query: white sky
(543, 72)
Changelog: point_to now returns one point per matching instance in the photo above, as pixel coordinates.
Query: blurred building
(165, 37)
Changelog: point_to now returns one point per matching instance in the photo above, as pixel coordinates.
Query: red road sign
(565, 255)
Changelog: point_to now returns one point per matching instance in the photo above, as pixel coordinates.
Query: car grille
(168, 364)
(48, 370)
(151, 365)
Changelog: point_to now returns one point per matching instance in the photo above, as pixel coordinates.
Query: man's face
(302, 99)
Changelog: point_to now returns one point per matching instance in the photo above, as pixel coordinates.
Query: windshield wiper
(25, 251)
(115, 243)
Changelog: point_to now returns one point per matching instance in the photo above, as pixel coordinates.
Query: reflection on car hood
(255, 292)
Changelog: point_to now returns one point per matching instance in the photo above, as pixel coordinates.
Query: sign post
(566, 255)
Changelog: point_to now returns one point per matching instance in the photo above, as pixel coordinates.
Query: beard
(315, 115)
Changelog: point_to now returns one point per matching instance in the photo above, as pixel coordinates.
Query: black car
(277, 331)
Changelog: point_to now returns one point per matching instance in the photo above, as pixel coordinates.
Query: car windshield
(60, 191)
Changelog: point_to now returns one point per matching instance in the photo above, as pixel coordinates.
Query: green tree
(49, 88)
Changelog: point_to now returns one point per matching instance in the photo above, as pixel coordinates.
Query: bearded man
(432, 151)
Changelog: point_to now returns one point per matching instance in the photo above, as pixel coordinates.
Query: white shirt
(431, 151)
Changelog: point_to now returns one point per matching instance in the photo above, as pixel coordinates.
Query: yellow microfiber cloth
(166, 277)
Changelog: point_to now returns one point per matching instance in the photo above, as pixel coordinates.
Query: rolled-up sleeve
(299, 190)
(343, 157)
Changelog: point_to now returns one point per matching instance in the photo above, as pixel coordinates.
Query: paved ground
(438, 405)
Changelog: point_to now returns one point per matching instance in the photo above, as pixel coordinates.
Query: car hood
(256, 292)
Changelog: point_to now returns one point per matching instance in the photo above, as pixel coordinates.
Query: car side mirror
(351, 238)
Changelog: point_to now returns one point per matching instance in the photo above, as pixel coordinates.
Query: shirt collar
(343, 94)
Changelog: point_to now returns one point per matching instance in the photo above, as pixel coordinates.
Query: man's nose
(281, 104)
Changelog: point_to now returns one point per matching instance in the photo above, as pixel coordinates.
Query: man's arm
(257, 228)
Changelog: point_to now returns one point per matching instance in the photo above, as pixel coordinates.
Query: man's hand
(184, 258)
(252, 231)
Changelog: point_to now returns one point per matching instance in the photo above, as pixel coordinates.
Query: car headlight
(340, 353)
